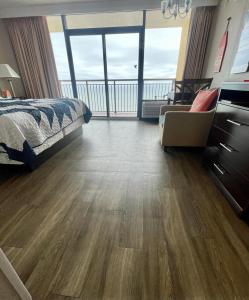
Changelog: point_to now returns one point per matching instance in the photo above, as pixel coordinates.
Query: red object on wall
(221, 52)
(222, 49)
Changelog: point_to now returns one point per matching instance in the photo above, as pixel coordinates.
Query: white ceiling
(19, 8)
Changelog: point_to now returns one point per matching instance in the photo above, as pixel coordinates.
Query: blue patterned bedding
(26, 124)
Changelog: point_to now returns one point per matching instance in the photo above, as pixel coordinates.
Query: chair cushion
(204, 100)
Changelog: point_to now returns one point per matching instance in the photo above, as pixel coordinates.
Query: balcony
(123, 94)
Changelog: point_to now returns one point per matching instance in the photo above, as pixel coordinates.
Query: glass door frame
(103, 32)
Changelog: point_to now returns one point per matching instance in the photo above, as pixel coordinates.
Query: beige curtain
(34, 54)
(200, 25)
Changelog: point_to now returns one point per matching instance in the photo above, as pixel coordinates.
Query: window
(161, 52)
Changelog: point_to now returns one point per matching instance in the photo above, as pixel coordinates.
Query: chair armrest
(187, 114)
(182, 119)
(167, 108)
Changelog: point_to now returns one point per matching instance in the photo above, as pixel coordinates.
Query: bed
(30, 127)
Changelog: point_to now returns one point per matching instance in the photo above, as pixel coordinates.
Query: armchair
(179, 127)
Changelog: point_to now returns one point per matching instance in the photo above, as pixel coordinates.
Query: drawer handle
(219, 169)
(229, 149)
(234, 122)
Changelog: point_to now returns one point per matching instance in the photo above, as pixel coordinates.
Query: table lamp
(8, 73)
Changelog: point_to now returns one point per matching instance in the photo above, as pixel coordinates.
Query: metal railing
(123, 93)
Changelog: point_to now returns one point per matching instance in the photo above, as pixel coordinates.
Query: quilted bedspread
(27, 124)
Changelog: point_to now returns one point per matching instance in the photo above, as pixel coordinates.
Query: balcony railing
(123, 93)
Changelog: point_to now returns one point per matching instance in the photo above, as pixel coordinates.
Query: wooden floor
(114, 217)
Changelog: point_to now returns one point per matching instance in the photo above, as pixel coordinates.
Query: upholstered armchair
(179, 127)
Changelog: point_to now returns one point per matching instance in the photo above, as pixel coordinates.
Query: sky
(161, 55)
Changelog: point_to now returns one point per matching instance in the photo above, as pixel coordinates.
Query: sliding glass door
(104, 67)
(122, 66)
(87, 53)
(115, 69)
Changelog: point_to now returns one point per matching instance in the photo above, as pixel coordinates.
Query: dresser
(227, 152)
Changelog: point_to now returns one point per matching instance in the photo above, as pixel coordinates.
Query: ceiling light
(174, 8)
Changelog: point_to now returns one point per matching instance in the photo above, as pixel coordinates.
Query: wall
(183, 48)
(236, 10)
(154, 19)
(7, 56)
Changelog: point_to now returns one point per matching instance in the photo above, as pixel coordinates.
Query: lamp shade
(7, 72)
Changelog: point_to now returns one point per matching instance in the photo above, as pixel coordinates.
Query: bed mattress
(28, 127)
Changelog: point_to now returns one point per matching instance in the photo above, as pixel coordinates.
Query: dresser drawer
(230, 149)
(233, 120)
(236, 184)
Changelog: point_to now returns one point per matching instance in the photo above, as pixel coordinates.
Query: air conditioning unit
(151, 108)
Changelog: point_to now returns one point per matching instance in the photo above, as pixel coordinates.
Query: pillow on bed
(204, 100)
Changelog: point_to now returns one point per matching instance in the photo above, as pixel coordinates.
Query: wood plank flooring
(113, 217)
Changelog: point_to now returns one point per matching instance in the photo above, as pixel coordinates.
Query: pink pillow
(204, 100)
